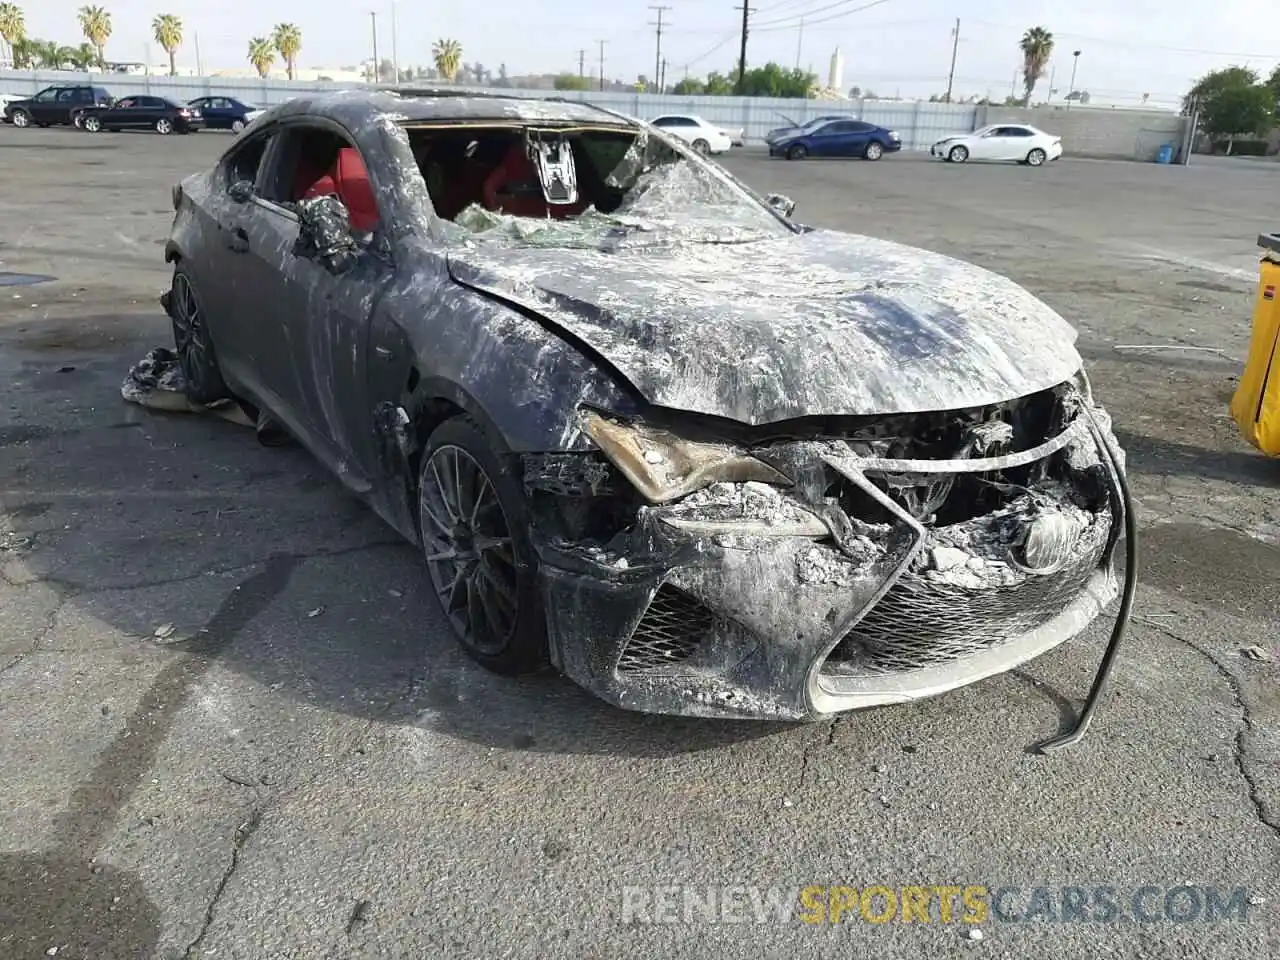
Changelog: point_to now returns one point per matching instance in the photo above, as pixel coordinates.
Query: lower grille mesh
(921, 623)
(668, 633)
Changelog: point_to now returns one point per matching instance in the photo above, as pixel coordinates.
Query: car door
(854, 142)
(43, 105)
(205, 106)
(241, 288)
(827, 139)
(319, 318)
(122, 115)
(1020, 140)
(987, 145)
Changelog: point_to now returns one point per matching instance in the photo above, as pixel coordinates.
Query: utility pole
(662, 78)
(955, 46)
(742, 56)
(199, 68)
(1053, 72)
(602, 43)
(582, 63)
(657, 56)
(373, 19)
(395, 56)
(1075, 62)
(799, 41)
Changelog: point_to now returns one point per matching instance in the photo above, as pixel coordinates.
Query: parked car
(795, 128)
(141, 113)
(643, 426)
(56, 105)
(703, 136)
(838, 138)
(1000, 141)
(225, 113)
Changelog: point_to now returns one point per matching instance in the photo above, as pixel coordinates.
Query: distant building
(835, 76)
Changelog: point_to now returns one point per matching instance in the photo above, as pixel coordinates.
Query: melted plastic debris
(979, 553)
(990, 437)
(824, 565)
(753, 501)
(325, 232)
(156, 382)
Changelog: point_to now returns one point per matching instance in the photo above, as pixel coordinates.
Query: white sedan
(704, 137)
(1000, 141)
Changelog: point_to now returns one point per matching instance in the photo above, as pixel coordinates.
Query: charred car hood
(820, 323)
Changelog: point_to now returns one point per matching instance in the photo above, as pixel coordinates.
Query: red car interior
(348, 180)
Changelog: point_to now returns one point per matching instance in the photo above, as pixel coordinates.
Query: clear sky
(1129, 47)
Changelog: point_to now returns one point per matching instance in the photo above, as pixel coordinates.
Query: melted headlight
(663, 466)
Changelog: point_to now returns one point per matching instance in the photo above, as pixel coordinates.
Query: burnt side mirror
(241, 191)
(783, 206)
(324, 233)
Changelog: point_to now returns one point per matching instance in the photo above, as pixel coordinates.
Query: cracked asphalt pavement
(234, 725)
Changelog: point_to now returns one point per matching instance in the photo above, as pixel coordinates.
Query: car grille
(668, 633)
(922, 623)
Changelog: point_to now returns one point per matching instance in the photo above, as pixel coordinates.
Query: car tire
(91, 125)
(874, 151)
(202, 380)
(798, 152)
(480, 562)
(958, 154)
(1037, 157)
(237, 126)
(21, 118)
(77, 121)
(164, 126)
(702, 146)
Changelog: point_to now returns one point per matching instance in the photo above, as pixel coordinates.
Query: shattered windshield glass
(634, 190)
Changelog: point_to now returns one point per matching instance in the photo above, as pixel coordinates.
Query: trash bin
(1165, 153)
(1255, 406)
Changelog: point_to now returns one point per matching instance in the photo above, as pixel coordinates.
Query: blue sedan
(225, 113)
(838, 138)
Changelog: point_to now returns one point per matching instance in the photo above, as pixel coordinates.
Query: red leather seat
(517, 171)
(354, 189)
(348, 180)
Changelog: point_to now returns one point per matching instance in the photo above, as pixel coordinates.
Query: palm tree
(262, 53)
(96, 24)
(1037, 48)
(448, 57)
(13, 28)
(288, 40)
(84, 57)
(167, 29)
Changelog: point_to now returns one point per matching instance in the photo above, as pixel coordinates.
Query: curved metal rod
(1085, 717)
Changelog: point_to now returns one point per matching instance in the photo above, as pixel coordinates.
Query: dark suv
(56, 105)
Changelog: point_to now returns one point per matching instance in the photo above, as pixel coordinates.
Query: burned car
(645, 427)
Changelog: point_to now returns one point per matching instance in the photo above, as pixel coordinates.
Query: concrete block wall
(1096, 131)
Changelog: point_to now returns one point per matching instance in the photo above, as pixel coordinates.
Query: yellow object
(1255, 407)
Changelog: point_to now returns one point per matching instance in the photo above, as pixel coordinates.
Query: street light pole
(1075, 62)
(373, 19)
(395, 56)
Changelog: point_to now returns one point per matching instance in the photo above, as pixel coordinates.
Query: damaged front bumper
(874, 579)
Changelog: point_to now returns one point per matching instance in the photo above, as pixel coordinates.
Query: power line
(789, 22)
(720, 43)
(657, 56)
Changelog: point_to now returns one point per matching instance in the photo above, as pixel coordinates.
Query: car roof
(354, 107)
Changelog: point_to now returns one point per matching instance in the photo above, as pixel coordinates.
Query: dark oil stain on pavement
(1236, 573)
(60, 898)
(22, 279)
